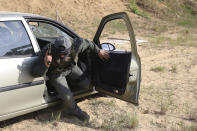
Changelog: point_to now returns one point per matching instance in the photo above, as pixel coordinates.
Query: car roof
(7, 14)
(18, 14)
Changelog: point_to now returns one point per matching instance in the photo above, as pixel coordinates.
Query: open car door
(120, 76)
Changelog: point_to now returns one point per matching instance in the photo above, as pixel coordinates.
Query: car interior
(82, 63)
(111, 75)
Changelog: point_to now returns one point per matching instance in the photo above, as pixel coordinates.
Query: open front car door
(120, 76)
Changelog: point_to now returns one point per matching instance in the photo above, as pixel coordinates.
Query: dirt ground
(168, 95)
(167, 98)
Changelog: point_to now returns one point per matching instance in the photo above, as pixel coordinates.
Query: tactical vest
(59, 65)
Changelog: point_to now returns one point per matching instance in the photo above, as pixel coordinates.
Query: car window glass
(14, 40)
(41, 30)
(115, 32)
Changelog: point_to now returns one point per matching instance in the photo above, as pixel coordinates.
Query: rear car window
(14, 40)
(46, 30)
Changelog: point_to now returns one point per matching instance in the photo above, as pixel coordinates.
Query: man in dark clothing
(60, 63)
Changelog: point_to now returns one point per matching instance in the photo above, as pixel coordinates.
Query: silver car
(22, 36)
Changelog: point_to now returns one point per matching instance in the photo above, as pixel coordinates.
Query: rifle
(49, 53)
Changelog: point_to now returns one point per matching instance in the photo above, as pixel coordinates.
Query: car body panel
(20, 93)
(27, 110)
(18, 89)
(131, 93)
(22, 98)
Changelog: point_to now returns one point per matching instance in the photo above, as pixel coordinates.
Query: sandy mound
(78, 14)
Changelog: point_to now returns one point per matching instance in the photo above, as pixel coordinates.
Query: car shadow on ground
(50, 115)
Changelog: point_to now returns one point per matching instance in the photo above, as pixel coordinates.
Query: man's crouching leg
(59, 82)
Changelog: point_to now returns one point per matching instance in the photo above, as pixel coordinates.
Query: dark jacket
(79, 46)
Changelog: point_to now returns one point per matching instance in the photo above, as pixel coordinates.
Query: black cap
(63, 45)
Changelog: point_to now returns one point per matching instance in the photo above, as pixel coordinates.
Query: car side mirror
(108, 46)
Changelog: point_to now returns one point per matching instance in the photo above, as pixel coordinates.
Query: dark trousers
(59, 82)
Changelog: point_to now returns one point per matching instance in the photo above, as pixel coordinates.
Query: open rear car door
(120, 76)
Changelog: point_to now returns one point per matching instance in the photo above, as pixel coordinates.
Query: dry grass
(192, 115)
(173, 68)
(120, 121)
(133, 120)
(159, 28)
(117, 119)
(163, 107)
(182, 39)
(181, 126)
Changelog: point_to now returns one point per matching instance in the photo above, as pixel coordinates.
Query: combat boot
(81, 115)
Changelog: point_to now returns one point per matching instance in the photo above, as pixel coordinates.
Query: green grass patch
(116, 25)
(160, 28)
(183, 39)
(161, 40)
(134, 8)
(189, 22)
(56, 116)
(188, 17)
(158, 69)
